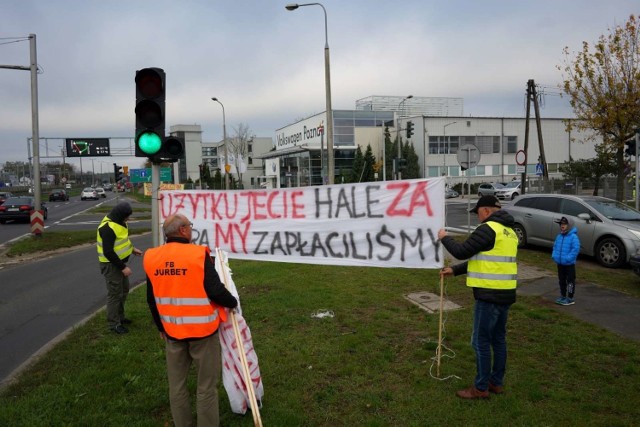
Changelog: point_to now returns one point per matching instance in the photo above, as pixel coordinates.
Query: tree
(603, 85)
(591, 170)
(413, 166)
(358, 166)
(369, 163)
(363, 165)
(240, 148)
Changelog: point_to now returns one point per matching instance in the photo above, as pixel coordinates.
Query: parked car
(634, 261)
(58, 195)
(89, 193)
(509, 191)
(608, 230)
(450, 193)
(489, 189)
(19, 208)
(4, 196)
(101, 192)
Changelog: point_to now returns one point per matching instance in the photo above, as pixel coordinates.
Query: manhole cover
(431, 302)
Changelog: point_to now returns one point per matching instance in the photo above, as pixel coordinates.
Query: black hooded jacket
(482, 239)
(118, 214)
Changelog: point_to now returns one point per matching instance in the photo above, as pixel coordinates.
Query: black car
(4, 195)
(19, 208)
(58, 195)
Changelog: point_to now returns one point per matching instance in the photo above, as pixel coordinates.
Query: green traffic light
(149, 143)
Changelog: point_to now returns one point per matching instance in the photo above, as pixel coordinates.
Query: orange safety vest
(176, 272)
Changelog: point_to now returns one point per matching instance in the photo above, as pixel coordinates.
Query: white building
(437, 140)
(212, 154)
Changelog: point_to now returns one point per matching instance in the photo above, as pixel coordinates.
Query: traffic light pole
(155, 201)
(637, 164)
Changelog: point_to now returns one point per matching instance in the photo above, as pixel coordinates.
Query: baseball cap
(562, 220)
(486, 202)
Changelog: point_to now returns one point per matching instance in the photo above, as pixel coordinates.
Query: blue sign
(144, 175)
(539, 169)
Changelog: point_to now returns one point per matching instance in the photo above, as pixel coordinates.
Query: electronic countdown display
(87, 147)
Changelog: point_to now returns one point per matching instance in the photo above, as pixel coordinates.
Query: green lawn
(367, 366)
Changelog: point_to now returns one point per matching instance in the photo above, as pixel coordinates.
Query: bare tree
(603, 85)
(240, 148)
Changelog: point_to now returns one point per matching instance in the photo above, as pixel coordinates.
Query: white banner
(379, 224)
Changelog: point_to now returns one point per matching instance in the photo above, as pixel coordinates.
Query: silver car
(489, 189)
(608, 230)
(509, 191)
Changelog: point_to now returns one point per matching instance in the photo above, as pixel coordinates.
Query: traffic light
(631, 147)
(409, 129)
(400, 164)
(117, 172)
(150, 112)
(172, 149)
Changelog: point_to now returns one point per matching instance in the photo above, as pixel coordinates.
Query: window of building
(495, 170)
(433, 146)
(510, 144)
(250, 148)
(454, 142)
(250, 160)
(433, 171)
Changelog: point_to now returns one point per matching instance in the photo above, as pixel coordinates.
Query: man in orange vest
(186, 299)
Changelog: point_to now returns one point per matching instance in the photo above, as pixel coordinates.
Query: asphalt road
(41, 299)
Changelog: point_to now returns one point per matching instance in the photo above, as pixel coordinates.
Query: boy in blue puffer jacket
(565, 252)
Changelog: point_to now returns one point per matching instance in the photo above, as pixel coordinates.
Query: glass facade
(307, 168)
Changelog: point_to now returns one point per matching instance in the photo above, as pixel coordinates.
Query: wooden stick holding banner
(439, 350)
(248, 382)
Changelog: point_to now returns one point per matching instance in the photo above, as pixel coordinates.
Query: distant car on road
(450, 193)
(608, 230)
(101, 192)
(4, 195)
(67, 186)
(108, 187)
(489, 189)
(19, 208)
(58, 195)
(89, 193)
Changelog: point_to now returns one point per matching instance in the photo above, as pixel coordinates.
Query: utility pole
(35, 133)
(532, 95)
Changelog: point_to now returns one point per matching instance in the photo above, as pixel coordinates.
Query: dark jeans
(490, 333)
(567, 279)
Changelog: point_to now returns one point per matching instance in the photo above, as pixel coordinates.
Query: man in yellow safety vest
(114, 249)
(491, 270)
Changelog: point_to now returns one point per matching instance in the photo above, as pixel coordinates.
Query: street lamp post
(226, 151)
(400, 109)
(327, 82)
(444, 149)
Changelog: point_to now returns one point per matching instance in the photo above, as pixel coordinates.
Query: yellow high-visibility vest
(497, 268)
(122, 246)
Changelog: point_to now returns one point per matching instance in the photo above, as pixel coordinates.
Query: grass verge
(367, 365)
(54, 240)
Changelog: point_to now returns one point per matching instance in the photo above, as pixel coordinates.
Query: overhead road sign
(87, 147)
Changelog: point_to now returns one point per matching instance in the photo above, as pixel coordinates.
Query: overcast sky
(266, 64)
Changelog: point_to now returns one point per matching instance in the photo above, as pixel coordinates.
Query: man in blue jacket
(565, 252)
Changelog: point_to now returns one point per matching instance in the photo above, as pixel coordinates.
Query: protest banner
(379, 224)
